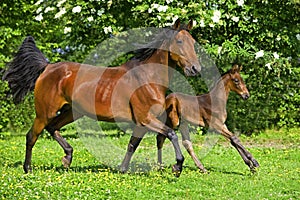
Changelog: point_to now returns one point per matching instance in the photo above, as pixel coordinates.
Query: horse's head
(237, 83)
(182, 49)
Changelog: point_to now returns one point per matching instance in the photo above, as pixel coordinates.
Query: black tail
(23, 71)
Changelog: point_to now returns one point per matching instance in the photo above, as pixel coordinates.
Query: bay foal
(207, 110)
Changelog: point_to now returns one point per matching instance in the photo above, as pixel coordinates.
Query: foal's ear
(176, 25)
(190, 25)
(235, 68)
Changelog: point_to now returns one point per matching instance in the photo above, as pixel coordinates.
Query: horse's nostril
(194, 69)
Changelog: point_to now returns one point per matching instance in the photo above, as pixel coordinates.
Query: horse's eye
(235, 80)
(179, 41)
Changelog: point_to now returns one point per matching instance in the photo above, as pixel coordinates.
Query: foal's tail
(23, 71)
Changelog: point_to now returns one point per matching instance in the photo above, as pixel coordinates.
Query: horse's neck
(220, 92)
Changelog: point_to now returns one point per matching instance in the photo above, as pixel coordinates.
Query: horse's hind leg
(65, 117)
(31, 139)
(186, 142)
(136, 138)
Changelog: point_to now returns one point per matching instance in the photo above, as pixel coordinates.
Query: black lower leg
(246, 155)
(132, 146)
(177, 168)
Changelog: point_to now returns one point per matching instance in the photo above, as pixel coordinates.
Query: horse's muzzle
(245, 96)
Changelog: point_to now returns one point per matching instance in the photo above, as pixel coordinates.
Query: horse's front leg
(186, 142)
(161, 128)
(246, 155)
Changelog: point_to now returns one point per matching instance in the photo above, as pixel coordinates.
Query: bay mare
(66, 91)
(207, 110)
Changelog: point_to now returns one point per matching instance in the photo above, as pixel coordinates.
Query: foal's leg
(160, 139)
(31, 138)
(246, 155)
(65, 117)
(186, 141)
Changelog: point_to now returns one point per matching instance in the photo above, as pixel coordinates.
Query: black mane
(145, 51)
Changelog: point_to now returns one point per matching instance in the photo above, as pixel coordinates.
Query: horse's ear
(176, 25)
(190, 25)
(235, 68)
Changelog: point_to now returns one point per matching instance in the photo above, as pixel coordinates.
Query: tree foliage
(262, 35)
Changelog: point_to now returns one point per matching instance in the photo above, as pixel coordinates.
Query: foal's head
(182, 49)
(237, 83)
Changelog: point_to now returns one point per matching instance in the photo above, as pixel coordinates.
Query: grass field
(92, 177)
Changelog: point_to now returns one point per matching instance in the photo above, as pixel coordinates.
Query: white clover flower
(275, 54)
(255, 20)
(60, 3)
(298, 36)
(235, 19)
(162, 8)
(107, 29)
(61, 12)
(90, 19)
(67, 30)
(278, 38)
(49, 9)
(76, 9)
(158, 17)
(39, 17)
(268, 65)
(240, 2)
(259, 54)
(217, 16)
(150, 10)
(169, 1)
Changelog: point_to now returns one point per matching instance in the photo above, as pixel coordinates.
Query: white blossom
(298, 36)
(158, 17)
(202, 24)
(60, 3)
(169, 1)
(90, 19)
(217, 16)
(39, 10)
(39, 17)
(61, 12)
(235, 19)
(255, 20)
(76, 9)
(259, 54)
(240, 2)
(67, 30)
(38, 2)
(268, 65)
(49, 9)
(275, 54)
(162, 8)
(150, 10)
(155, 5)
(219, 49)
(107, 29)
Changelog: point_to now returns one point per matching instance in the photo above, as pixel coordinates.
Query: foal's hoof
(176, 170)
(255, 163)
(66, 162)
(204, 171)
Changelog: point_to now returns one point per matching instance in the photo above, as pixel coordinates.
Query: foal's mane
(145, 51)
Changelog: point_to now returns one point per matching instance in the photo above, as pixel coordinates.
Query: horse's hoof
(255, 163)
(176, 171)
(27, 169)
(204, 171)
(66, 162)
